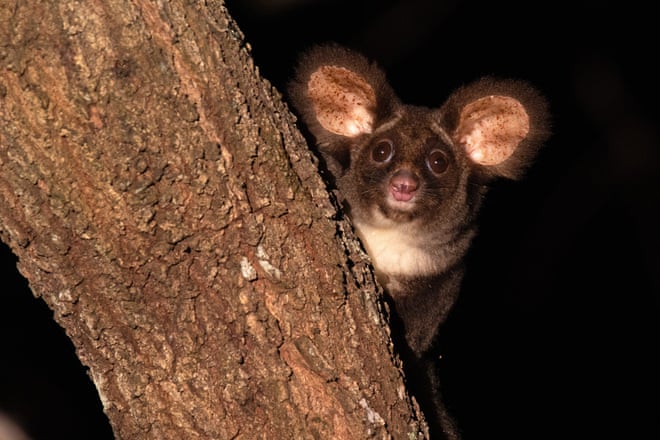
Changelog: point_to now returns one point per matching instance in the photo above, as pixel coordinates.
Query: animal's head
(404, 161)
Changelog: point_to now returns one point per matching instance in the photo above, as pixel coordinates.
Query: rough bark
(163, 204)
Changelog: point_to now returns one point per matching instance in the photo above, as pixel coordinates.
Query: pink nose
(403, 185)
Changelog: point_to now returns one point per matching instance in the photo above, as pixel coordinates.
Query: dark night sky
(555, 334)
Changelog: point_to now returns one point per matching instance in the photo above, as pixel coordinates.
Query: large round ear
(344, 103)
(339, 93)
(499, 123)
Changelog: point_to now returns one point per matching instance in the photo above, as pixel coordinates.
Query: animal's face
(407, 169)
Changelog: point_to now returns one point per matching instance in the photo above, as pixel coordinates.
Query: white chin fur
(397, 248)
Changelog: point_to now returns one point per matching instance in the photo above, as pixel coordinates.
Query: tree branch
(163, 204)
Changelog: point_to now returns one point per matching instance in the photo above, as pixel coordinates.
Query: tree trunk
(163, 204)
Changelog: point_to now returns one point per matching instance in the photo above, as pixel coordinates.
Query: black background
(555, 334)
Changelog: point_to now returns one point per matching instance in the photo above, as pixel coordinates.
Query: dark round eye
(438, 161)
(382, 151)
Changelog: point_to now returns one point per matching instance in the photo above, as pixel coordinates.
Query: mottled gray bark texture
(163, 204)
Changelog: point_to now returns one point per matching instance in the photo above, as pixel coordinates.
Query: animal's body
(412, 180)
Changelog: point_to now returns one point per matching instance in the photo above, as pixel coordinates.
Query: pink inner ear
(343, 101)
(491, 128)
